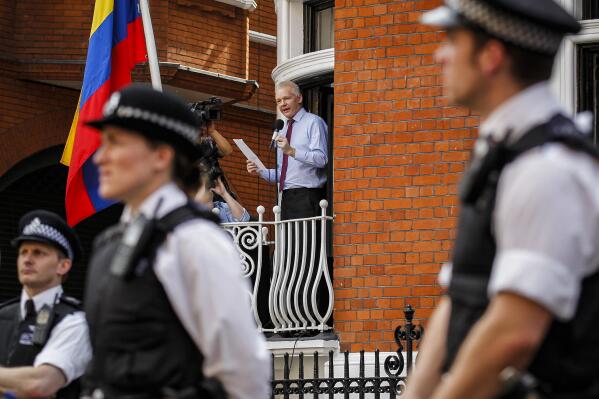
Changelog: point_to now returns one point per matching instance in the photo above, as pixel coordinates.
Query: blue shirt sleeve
(316, 155)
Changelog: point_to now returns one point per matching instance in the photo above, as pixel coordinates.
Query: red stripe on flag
(77, 201)
(128, 52)
(124, 56)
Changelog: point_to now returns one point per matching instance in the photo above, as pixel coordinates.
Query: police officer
(44, 343)
(521, 311)
(167, 305)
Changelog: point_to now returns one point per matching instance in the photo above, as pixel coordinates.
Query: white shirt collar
(159, 203)
(47, 297)
(531, 107)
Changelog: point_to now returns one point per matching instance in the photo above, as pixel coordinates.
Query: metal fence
(294, 291)
(391, 384)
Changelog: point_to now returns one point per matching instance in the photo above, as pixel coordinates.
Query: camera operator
(212, 181)
(222, 144)
(229, 210)
(207, 112)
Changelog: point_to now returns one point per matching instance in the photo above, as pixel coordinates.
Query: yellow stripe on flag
(102, 10)
(68, 147)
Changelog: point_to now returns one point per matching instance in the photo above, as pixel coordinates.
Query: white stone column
(282, 10)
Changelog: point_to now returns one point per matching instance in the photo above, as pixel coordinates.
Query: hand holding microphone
(284, 145)
(276, 127)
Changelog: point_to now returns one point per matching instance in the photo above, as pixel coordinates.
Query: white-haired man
(302, 159)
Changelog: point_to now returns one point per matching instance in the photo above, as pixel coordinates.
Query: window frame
(565, 77)
(311, 8)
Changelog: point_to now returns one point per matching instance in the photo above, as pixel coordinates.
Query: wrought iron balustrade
(371, 383)
(292, 267)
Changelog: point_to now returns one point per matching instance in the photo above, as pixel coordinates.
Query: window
(318, 25)
(588, 81)
(318, 98)
(590, 9)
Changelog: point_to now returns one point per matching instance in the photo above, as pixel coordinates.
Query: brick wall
(55, 29)
(207, 35)
(264, 18)
(399, 152)
(6, 26)
(32, 117)
(263, 59)
(252, 191)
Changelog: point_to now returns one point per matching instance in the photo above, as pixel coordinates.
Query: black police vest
(573, 347)
(139, 344)
(16, 348)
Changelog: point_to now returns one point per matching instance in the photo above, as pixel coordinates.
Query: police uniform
(530, 205)
(177, 321)
(49, 328)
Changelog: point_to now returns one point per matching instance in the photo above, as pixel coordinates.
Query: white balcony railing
(298, 294)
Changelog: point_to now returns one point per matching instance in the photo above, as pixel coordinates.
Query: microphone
(276, 126)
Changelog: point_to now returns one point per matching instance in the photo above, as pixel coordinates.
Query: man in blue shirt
(301, 174)
(302, 159)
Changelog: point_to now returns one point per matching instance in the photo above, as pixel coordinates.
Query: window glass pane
(588, 89)
(590, 9)
(324, 29)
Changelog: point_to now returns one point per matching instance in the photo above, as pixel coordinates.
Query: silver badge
(43, 316)
(33, 227)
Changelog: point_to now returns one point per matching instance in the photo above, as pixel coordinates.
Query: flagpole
(150, 45)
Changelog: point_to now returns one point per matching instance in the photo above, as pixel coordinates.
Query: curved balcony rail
(294, 291)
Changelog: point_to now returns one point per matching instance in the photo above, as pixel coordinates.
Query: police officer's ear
(64, 266)
(493, 58)
(164, 156)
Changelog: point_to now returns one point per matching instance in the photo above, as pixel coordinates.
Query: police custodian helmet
(535, 25)
(153, 114)
(49, 228)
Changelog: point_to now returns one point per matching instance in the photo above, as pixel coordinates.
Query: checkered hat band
(189, 132)
(37, 228)
(511, 28)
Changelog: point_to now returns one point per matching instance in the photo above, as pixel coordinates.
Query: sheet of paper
(249, 154)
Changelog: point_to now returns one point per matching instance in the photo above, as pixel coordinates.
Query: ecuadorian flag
(116, 45)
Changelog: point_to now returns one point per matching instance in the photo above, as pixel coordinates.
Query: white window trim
(565, 76)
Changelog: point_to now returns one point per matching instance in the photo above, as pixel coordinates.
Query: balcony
(291, 288)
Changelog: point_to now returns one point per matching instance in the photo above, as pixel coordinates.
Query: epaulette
(73, 302)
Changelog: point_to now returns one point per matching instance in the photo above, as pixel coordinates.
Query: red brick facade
(47, 41)
(399, 148)
(399, 152)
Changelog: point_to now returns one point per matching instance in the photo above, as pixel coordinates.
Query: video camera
(209, 161)
(208, 110)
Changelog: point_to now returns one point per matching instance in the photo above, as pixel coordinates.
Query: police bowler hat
(49, 228)
(153, 114)
(536, 25)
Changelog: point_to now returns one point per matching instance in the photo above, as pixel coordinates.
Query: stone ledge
(321, 343)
